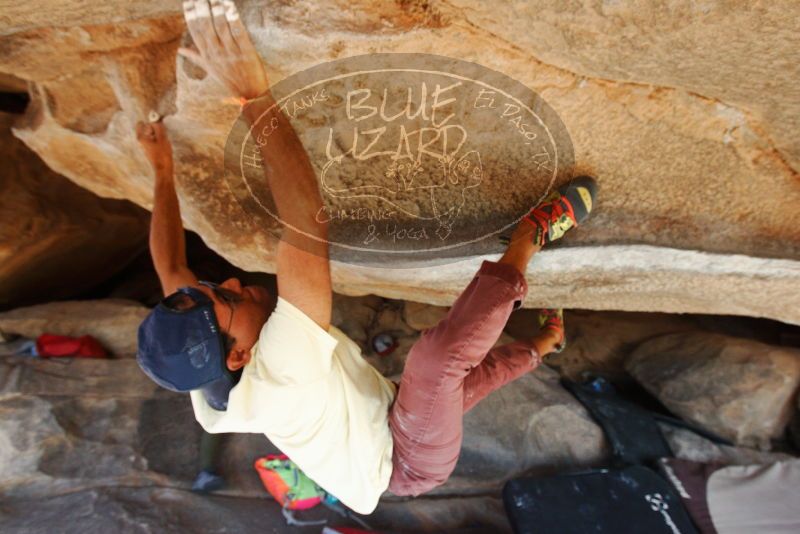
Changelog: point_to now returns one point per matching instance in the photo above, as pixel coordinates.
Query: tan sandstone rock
(420, 316)
(687, 116)
(96, 444)
(741, 389)
(57, 239)
(113, 322)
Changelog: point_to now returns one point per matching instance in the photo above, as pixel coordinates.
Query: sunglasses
(227, 297)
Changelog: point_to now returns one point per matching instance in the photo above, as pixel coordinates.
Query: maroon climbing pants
(448, 370)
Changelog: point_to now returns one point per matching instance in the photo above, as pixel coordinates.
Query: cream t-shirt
(318, 401)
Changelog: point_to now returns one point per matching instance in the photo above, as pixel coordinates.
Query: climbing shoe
(553, 319)
(565, 208)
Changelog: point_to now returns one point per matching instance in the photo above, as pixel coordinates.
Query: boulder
(532, 426)
(96, 444)
(675, 149)
(599, 342)
(57, 239)
(421, 316)
(113, 322)
(363, 318)
(69, 423)
(740, 389)
(688, 445)
(356, 316)
(141, 510)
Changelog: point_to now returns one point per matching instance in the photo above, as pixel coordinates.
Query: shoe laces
(543, 218)
(551, 319)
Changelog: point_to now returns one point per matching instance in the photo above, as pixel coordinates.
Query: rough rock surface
(363, 318)
(420, 316)
(598, 342)
(97, 441)
(145, 510)
(96, 445)
(533, 426)
(687, 445)
(112, 322)
(741, 389)
(687, 116)
(56, 239)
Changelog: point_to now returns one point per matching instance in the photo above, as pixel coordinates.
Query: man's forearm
(167, 242)
(291, 178)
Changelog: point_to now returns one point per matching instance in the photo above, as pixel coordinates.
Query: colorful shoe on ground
(563, 210)
(553, 319)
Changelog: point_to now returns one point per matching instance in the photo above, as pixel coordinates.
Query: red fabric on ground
(53, 346)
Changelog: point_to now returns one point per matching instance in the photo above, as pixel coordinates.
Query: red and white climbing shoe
(563, 210)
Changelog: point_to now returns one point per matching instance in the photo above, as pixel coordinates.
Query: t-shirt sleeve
(292, 349)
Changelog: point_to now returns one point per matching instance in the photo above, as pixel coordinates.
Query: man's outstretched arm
(167, 242)
(226, 51)
(303, 265)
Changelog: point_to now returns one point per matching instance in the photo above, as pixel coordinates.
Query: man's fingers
(145, 132)
(202, 10)
(151, 132)
(236, 27)
(188, 10)
(221, 26)
(224, 47)
(194, 56)
(198, 19)
(190, 15)
(159, 131)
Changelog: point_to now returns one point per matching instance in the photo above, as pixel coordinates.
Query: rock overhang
(698, 211)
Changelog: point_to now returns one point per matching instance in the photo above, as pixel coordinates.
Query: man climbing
(255, 363)
(168, 251)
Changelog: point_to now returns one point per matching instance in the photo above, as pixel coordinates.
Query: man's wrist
(254, 108)
(163, 169)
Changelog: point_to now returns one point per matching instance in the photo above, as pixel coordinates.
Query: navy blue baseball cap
(182, 348)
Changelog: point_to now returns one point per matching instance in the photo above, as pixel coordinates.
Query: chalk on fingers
(217, 9)
(231, 13)
(188, 10)
(202, 10)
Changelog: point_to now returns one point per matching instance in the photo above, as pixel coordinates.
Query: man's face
(246, 317)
